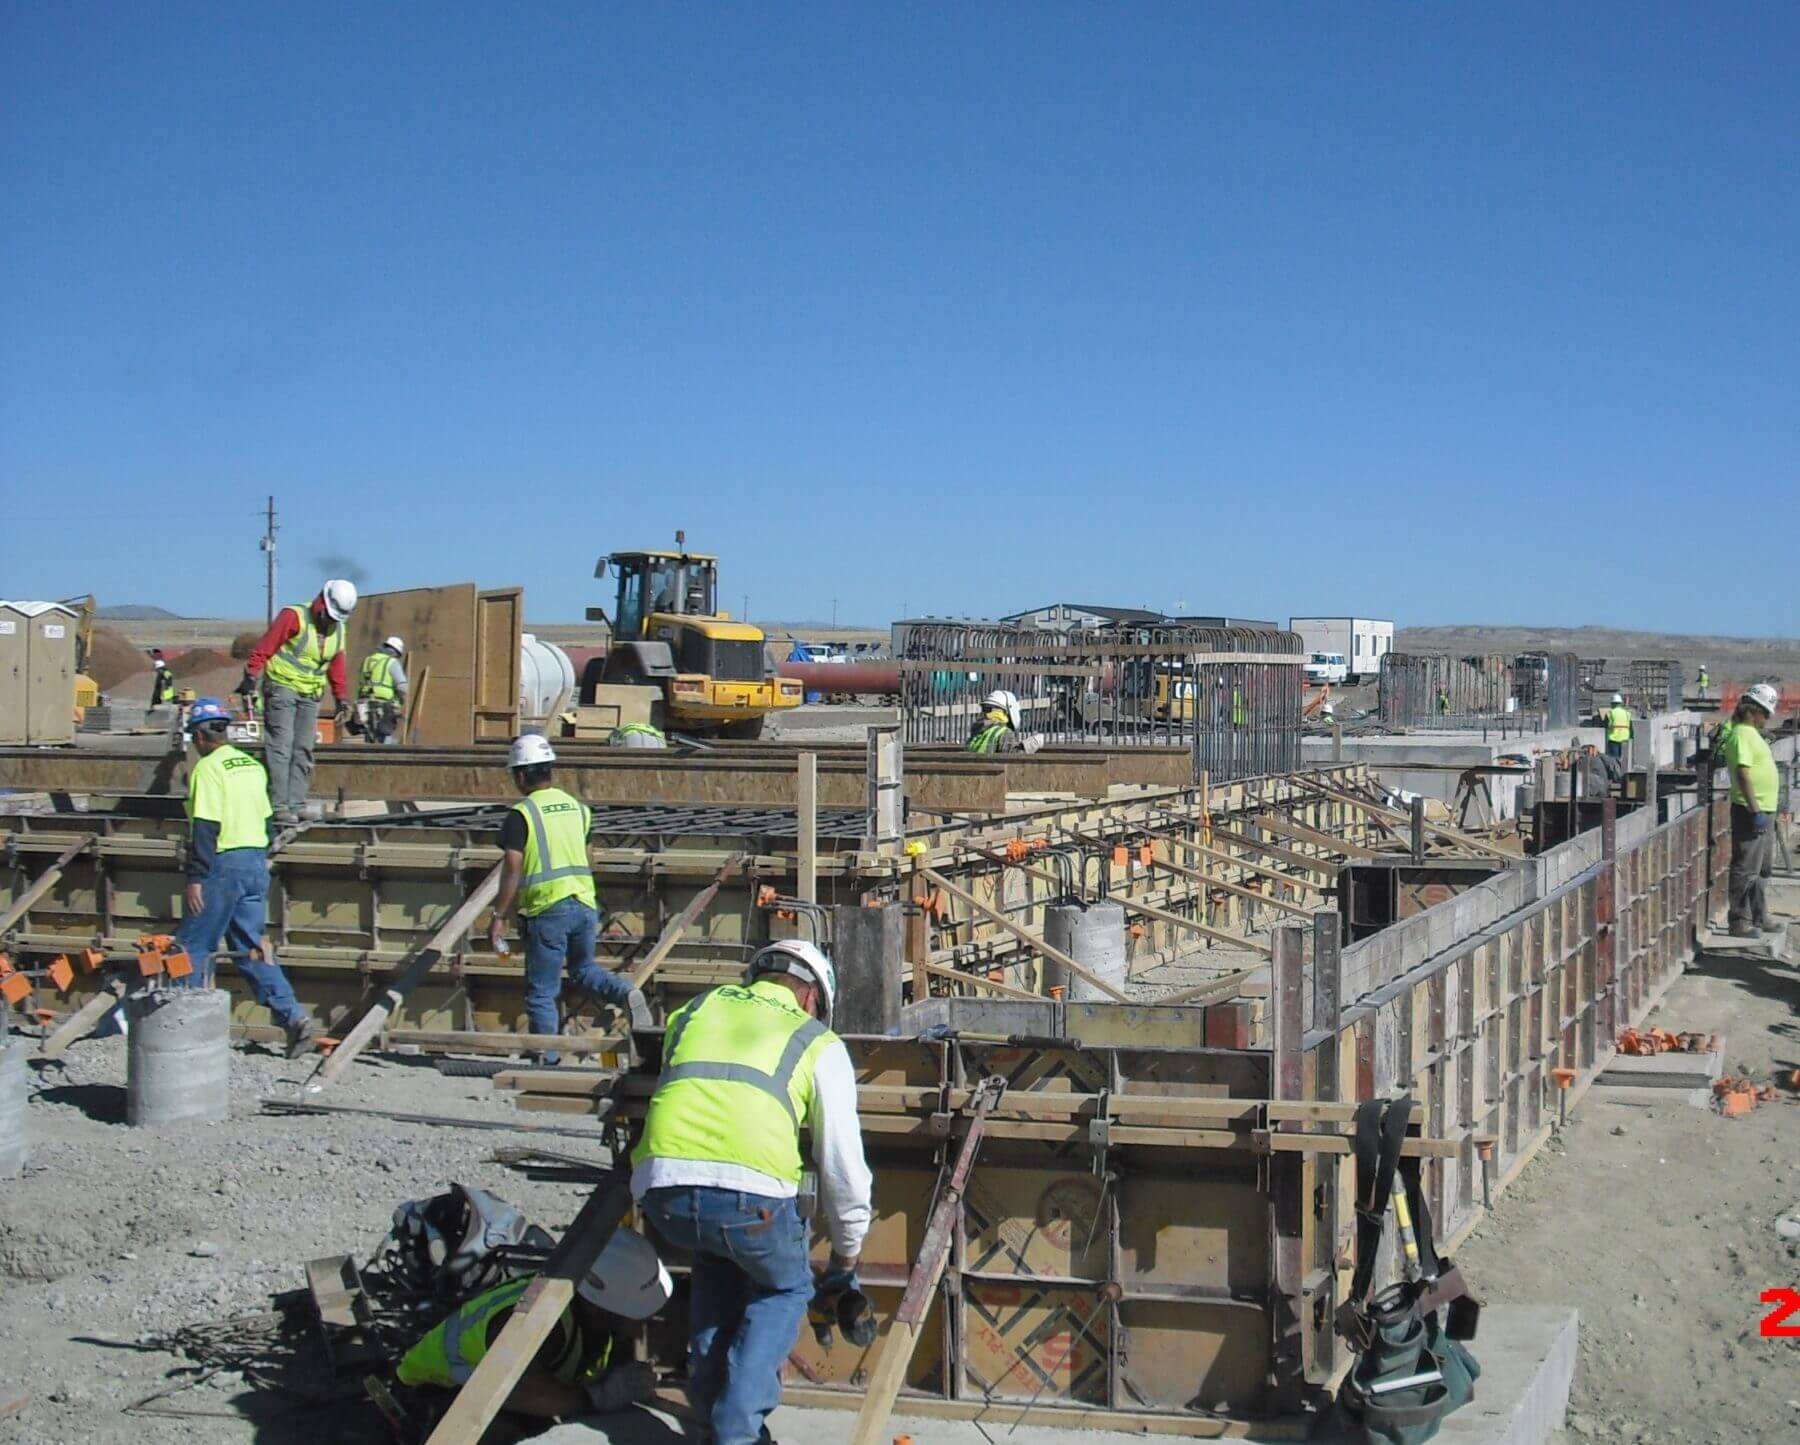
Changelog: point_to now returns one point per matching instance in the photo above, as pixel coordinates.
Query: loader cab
(653, 584)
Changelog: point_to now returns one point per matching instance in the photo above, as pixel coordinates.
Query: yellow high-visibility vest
(737, 1081)
(301, 663)
(377, 680)
(556, 857)
(1618, 724)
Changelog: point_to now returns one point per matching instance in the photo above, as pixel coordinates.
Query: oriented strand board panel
(438, 626)
(499, 621)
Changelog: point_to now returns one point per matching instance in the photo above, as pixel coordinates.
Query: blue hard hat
(208, 710)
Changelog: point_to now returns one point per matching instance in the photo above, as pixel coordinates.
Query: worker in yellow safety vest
(584, 1365)
(381, 691)
(294, 661)
(718, 1173)
(1755, 792)
(636, 735)
(998, 730)
(547, 875)
(1618, 727)
(228, 873)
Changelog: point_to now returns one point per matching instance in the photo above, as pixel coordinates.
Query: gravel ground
(115, 1234)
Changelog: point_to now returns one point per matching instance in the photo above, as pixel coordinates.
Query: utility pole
(744, 616)
(834, 614)
(268, 546)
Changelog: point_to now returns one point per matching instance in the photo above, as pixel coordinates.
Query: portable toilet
(49, 631)
(13, 639)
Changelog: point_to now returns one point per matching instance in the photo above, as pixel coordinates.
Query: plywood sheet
(1178, 1355)
(1027, 1341)
(438, 626)
(841, 1363)
(499, 623)
(1172, 1231)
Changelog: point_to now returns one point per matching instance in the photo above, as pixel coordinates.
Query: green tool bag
(1410, 1371)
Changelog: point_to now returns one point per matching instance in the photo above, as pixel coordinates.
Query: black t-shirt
(512, 831)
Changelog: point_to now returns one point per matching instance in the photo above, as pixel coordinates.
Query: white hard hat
(800, 958)
(1618, 697)
(1763, 696)
(628, 1279)
(394, 644)
(529, 750)
(1006, 702)
(340, 598)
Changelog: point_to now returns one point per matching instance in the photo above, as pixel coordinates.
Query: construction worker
(381, 691)
(548, 875)
(1443, 702)
(585, 1365)
(636, 735)
(999, 728)
(228, 872)
(301, 652)
(1703, 680)
(718, 1171)
(1755, 786)
(162, 681)
(1618, 727)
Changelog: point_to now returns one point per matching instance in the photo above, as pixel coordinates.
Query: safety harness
(1412, 1370)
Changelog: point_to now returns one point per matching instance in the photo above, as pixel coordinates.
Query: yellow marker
(1404, 1215)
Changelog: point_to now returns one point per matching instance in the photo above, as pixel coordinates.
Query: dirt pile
(198, 660)
(111, 659)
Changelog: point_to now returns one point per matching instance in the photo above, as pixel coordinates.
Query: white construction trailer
(1363, 641)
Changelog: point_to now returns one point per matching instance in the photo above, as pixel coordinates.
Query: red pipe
(855, 677)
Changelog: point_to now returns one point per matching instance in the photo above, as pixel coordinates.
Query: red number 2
(1787, 1303)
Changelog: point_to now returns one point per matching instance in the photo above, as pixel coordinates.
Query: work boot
(1743, 930)
(286, 816)
(302, 1036)
(639, 1008)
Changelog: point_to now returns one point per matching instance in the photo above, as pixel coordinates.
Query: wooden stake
(1024, 935)
(43, 883)
(402, 983)
(684, 920)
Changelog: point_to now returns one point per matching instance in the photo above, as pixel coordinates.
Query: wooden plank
(1249, 865)
(808, 861)
(448, 936)
(499, 625)
(1319, 867)
(80, 1024)
(1230, 940)
(1024, 935)
(988, 985)
(536, 1314)
(500, 1041)
(1223, 987)
(1285, 827)
(684, 920)
(438, 627)
(1398, 820)
(44, 882)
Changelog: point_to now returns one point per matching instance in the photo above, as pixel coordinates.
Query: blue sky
(1448, 313)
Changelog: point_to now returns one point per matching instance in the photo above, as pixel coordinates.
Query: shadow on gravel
(103, 1103)
(1761, 975)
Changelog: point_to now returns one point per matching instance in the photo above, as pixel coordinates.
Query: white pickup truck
(1324, 667)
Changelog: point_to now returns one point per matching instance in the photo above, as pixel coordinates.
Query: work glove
(345, 713)
(1032, 742)
(621, 1388)
(1759, 823)
(838, 1300)
(246, 687)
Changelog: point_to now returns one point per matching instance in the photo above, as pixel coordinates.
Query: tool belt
(1411, 1369)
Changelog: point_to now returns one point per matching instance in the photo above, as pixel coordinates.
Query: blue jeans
(563, 936)
(751, 1283)
(235, 899)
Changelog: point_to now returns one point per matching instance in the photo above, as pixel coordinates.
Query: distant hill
(136, 612)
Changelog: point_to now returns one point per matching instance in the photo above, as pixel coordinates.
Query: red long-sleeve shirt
(281, 630)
